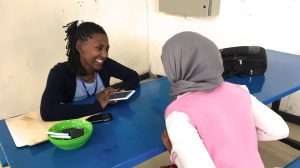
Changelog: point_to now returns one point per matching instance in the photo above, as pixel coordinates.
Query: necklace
(86, 90)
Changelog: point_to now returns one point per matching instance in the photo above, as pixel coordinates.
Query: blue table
(279, 80)
(134, 134)
(294, 164)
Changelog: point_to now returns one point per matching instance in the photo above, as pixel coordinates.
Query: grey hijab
(192, 63)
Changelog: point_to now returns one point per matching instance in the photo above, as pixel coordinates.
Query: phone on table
(103, 117)
(121, 95)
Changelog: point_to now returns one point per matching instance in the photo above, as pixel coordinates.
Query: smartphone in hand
(103, 117)
(121, 95)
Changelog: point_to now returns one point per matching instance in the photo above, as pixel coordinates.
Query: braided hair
(82, 32)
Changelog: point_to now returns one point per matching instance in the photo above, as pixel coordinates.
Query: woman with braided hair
(85, 75)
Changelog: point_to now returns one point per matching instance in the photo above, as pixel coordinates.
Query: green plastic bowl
(69, 144)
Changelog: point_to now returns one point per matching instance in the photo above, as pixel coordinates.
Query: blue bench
(294, 164)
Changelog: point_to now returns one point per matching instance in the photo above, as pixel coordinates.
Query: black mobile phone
(105, 117)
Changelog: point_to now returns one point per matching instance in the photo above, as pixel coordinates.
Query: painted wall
(32, 37)
(126, 23)
(32, 40)
(269, 23)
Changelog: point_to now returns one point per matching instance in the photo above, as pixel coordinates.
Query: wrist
(99, 105)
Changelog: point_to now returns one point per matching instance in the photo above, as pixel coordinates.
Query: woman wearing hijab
(212, 123)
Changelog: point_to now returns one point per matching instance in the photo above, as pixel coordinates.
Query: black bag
(244, 60)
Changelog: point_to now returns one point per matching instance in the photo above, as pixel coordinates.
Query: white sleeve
(188, 150)
(269, 125)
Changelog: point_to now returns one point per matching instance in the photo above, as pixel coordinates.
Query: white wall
(32, 40)
(126, 23)
(32, 37)
(272, 24)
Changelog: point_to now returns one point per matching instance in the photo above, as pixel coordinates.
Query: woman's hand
(166, 141)
(103, 96)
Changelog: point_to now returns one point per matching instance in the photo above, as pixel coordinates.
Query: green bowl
(69, 144)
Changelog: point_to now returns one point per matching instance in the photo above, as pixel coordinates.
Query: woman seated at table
(212, 123)
(80, 86)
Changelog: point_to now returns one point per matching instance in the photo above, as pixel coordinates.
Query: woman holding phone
(85, 76)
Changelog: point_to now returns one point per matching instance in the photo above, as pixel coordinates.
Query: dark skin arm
(103, 97)
(52, 108)
(167, 143)
(129, 77)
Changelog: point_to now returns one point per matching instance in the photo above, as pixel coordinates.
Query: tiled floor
(274, 154)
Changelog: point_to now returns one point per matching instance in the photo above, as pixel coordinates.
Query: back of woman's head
(192, 62)
(79, 31)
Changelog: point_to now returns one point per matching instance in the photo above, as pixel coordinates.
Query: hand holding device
(121, 95)
(103, 96)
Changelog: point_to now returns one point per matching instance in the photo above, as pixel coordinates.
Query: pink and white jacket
(220, 128)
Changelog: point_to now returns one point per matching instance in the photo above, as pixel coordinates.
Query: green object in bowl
(69, 144)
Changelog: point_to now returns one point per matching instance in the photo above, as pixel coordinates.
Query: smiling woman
(93, 52)
(85, 76)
